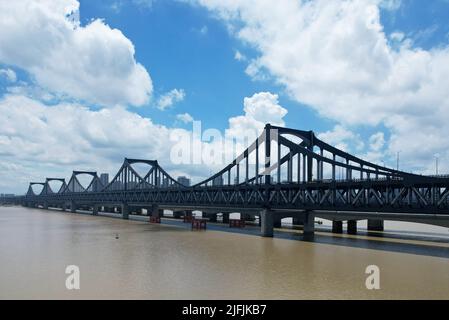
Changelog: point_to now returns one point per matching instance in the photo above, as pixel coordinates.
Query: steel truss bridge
(283, 173)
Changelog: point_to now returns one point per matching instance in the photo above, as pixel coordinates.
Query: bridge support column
(266, 217)
(125, 211)
(309, 225)
(375, 225)
(45, 206)
(337, 226)
(95, 210)
(154, 212)
(352, 226)
(225, 217)
(72, 206)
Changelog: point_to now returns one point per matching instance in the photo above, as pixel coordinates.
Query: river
(129, 259)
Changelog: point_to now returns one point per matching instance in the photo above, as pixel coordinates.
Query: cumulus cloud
(9, 74)
(53, 140)
(335, 57)
(260, 109)
(377, 141)
(94, 63)
(184, 117)
(39, 140)
(342, 138)
(239, 56)
(170, 98)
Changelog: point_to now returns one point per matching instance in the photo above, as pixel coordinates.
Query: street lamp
(397, 160)
(437, 156)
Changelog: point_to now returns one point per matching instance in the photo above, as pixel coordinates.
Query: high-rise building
(104, 178)
(184, 181)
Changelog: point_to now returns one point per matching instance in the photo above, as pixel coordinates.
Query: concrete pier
(125, 211)
(95, 210)
(72, 206)
(267, 221)
(352, 226)
(375, 225)
(309, 225)
(225, 217)
(337, 226)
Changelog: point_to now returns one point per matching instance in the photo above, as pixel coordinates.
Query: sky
(84, 84)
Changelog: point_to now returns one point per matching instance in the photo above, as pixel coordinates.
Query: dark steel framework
(284, 169)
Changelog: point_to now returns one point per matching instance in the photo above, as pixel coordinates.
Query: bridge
(283, 173)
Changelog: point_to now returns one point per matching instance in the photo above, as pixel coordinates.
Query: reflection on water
(168, 262)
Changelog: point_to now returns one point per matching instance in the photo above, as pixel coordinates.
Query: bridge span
(283, 173)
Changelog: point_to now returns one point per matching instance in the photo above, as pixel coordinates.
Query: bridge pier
(352, 226)
(309, 225)
(95, 209)
(72, 207)
(45, 205)
(375, 225)
(267, 223)
(226, 218)
(337, 226)
(125, 211)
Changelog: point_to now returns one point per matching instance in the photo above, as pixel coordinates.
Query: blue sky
(185, 47)
(366, 83)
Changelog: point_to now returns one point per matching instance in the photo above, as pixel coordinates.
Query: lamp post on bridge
(437, 156)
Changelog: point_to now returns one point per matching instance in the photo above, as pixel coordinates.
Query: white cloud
(397, 36)
(342, 138)
(170, 98)
(390, 5)
(239, 56)
(377, 141)
(53, 140)
(9, 74)
(184, 117)
(335, 57)
(94, 62)
(260, 109)
(37, 140)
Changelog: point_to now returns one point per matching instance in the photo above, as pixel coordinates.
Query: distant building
(184, 180)
(104, 178)
(7, 195)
